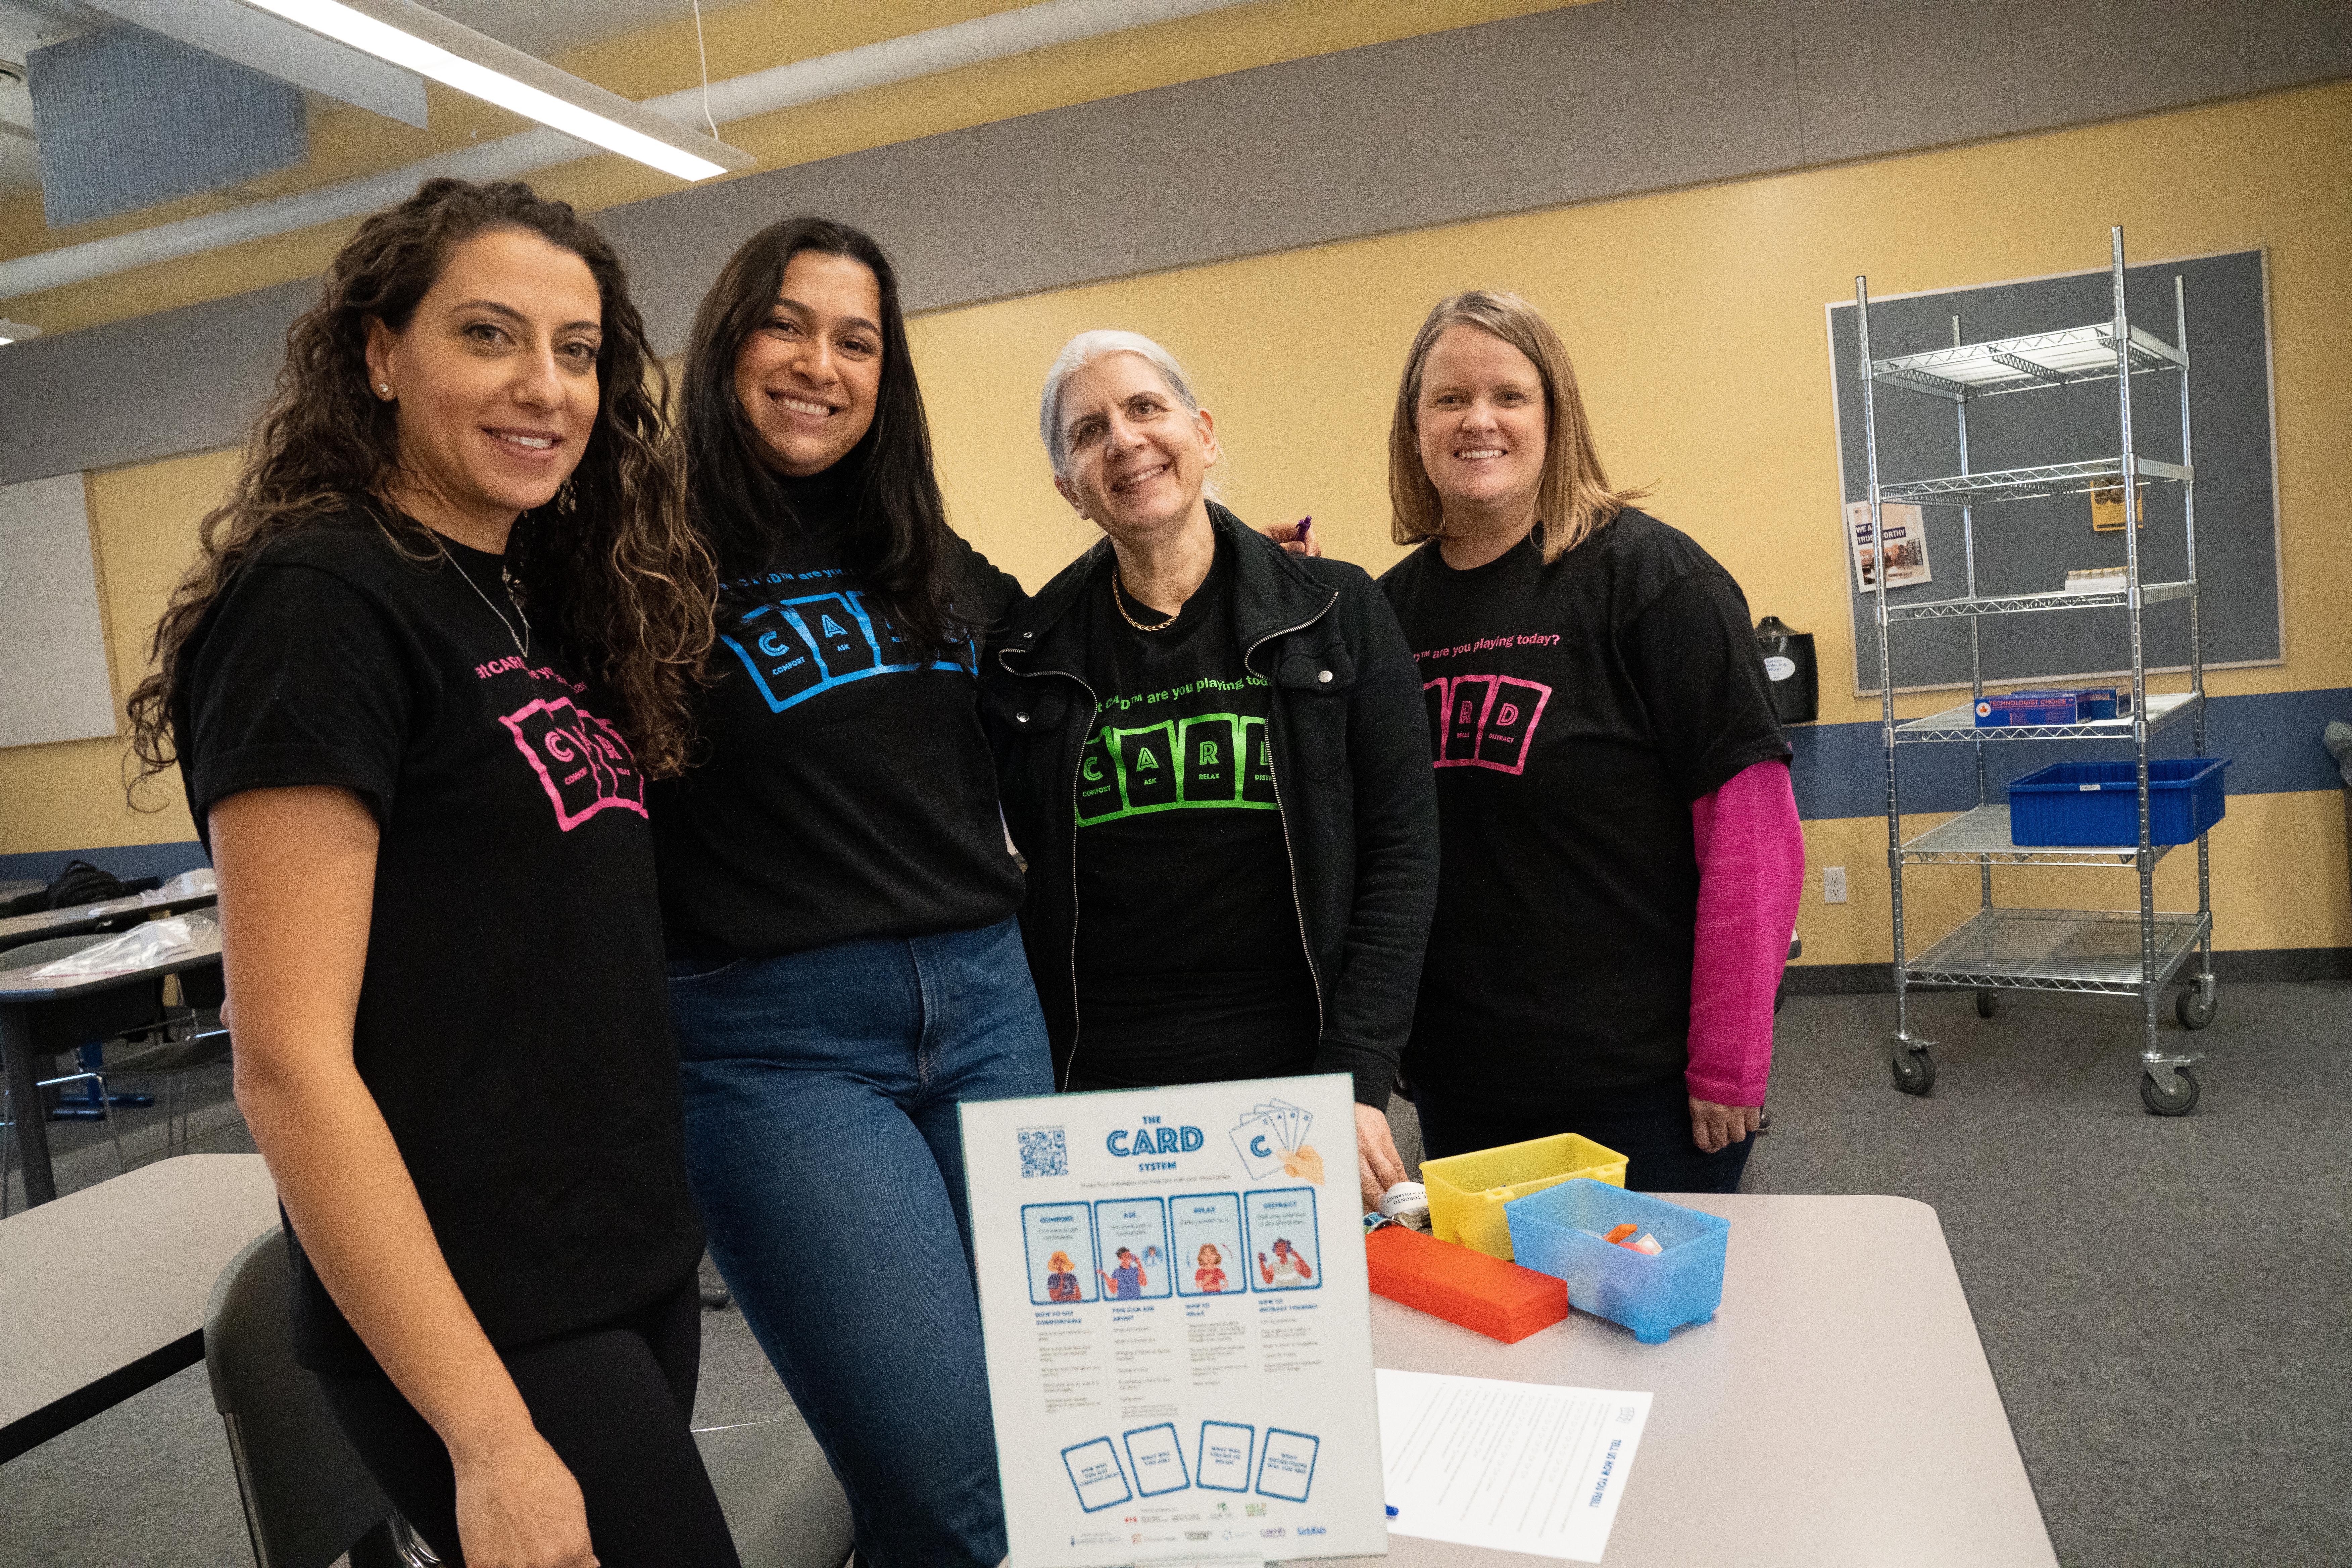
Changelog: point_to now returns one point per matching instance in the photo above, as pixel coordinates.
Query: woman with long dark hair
(442, 629)
(844, 960)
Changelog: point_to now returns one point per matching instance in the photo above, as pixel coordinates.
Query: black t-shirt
(844, 788)
(1576, 712)
(512, 1025)
(1192, 966)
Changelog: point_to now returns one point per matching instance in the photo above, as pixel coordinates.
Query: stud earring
(384, 387)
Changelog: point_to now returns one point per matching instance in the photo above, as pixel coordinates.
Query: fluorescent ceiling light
(431, 45)
(15, 332)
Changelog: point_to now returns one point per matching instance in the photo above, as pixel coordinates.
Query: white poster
(1179, 1328)
(1906, 554)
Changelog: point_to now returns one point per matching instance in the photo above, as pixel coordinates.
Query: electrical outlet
(1833, 884)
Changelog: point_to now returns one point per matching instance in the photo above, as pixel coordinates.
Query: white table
(103, 1293)
(1838, 1411)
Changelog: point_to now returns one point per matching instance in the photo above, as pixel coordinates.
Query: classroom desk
(1838, 1410)
(110, 915)
(39, 1017)
(103, 1293)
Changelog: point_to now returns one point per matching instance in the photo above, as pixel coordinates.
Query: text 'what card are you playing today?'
(1178, 1323)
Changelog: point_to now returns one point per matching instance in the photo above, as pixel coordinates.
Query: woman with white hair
(1212, 751)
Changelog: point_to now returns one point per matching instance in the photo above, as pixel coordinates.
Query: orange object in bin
(1500, 1300)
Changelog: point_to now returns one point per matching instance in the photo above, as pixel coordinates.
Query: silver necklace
(522, 643)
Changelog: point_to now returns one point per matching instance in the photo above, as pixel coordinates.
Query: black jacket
(1351, 769)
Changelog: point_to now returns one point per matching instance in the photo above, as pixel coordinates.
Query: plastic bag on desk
(140, 947)
(186, 885)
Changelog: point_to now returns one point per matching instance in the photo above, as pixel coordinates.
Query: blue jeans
(823, 1145)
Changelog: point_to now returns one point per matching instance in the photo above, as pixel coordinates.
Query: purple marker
(1298, 535)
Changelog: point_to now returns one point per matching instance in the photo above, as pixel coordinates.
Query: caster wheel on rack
(2194, 1010)
(1988, 1004)
(1915, 1072)
(2180, 1102)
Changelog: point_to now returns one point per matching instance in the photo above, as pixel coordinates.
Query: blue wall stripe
(2272, 740)
(128, 861)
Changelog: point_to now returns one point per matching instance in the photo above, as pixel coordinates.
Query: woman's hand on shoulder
(1298, 538)
(518, 1507)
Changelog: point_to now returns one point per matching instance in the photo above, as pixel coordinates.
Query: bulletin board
(2030, 546)
(54, 680)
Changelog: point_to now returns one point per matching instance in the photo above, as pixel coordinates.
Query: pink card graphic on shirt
(582, 762)
(1466, 712)
(1511, 719)
(1485, 720)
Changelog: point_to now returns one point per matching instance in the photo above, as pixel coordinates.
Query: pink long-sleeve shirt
(1751, 869)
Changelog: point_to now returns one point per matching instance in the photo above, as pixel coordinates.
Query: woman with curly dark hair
(442, 629)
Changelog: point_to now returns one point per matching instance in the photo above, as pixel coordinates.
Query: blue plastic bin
(2095, 804)
(1653, 1296)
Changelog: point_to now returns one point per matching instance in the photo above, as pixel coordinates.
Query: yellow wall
(1696, 318)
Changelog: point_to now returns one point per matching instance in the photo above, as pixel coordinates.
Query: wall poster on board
(1905, 552)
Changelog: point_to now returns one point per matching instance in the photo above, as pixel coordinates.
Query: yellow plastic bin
(1468, 1192)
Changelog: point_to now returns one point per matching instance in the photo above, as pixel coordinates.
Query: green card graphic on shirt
(1214, 759)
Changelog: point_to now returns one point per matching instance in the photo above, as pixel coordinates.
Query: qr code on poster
(1044, 1151)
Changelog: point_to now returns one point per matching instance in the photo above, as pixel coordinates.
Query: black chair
(307, 1499)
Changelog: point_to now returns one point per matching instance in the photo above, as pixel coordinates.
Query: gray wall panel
(1503, 118)
(183, 381)
(1317, 149)
(2290, 41)
(1593, 101)
(1144, 181)
(673, 252)
(1876, 75)
(2089, 59)
(1694, 90)
(984, 211)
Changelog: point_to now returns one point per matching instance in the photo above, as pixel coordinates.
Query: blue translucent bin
(1653, 1296)
(2094, 804)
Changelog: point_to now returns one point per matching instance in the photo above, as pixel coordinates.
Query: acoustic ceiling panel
(127, 118)
(276, 47)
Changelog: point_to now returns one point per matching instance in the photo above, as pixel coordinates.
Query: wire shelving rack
(2135, 953)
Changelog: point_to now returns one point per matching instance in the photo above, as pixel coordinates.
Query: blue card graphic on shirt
(1259, 1142)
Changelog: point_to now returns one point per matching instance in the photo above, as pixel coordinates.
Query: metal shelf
(1980, 836)
(2015, 603)
(1960, 724)
(2023, 364)
(2024, 484)
(2055, 950)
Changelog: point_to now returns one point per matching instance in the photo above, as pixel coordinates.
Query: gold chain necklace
(1121, 603)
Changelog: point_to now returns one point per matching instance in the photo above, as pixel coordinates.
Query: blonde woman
(1621, 854)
